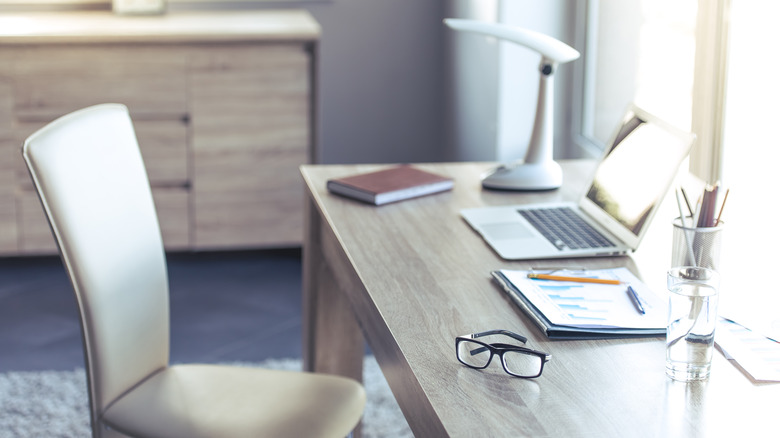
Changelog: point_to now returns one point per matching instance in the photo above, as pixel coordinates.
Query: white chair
(93, 185)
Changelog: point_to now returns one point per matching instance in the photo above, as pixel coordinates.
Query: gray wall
(380, 76)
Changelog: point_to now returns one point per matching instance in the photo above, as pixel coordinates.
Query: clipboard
(579, 310)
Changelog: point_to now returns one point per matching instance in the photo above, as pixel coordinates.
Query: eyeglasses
(517, 361)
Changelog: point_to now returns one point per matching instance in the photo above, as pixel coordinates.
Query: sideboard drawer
(52, 81)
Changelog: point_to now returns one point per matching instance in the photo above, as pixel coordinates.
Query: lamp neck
(540, 147)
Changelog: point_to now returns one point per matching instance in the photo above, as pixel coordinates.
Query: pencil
(573, 279)
(726, 196)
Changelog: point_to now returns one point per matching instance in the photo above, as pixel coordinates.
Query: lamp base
(525, 177)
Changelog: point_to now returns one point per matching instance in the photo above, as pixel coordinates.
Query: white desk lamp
(538, 171)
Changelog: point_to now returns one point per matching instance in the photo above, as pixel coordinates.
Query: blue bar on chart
(575, 304)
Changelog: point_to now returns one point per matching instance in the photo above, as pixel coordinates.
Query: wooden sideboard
(222, 103)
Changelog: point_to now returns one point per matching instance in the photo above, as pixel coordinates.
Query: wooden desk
(410, 277)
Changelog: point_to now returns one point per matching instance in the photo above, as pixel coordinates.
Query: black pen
(635, 298)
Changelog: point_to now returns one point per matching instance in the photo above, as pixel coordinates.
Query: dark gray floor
(236, 306)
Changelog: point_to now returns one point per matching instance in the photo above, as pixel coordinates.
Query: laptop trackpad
(506, 230)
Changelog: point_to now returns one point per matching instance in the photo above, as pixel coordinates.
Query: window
(635, 51)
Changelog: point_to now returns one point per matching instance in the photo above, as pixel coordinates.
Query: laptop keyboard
(564, 228)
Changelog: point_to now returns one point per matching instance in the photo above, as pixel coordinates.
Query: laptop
(613, 213)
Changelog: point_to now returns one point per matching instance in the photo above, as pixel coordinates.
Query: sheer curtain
(751, 153)
(751, 146)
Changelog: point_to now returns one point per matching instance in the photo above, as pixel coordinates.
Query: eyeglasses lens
(473, 354)
(522, 364)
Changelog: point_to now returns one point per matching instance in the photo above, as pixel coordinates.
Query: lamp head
(550, 48)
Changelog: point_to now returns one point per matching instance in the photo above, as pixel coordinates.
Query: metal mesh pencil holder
(699, 246)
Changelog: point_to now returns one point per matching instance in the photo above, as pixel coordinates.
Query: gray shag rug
(54, 403)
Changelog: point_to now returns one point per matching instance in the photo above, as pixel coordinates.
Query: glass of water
(693, 314)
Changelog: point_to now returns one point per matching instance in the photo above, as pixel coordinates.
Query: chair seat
(224, 401)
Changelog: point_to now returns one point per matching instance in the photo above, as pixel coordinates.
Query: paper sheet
(759, 315)
(758, 355)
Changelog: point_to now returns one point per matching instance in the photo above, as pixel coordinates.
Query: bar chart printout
(576, 304)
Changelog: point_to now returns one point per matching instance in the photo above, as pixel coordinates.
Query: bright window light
(644, 53)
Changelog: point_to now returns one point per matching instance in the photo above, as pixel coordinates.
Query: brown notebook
(390, 185)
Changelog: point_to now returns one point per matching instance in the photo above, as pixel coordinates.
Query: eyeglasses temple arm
(520, 338)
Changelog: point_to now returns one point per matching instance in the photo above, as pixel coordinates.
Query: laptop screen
(636, 171)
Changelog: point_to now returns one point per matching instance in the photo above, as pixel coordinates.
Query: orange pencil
(573, 279)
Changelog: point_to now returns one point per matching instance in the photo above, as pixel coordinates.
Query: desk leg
(332, 340)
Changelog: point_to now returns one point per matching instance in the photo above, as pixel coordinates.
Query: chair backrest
(93, 185)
